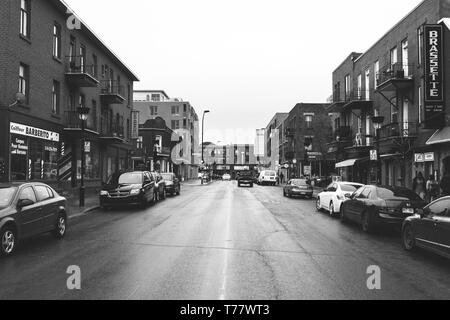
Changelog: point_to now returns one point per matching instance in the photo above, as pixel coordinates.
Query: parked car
(298, 187)
(136, 187)
(268, 177)
(172, 183)
(429, 229)
(333, 196)
(226, 177)
(29, 209)
(245, 178)
(160, 186)
(375, 206)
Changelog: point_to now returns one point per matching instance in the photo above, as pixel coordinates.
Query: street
(221, 242)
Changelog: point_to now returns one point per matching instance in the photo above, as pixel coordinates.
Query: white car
(226, 177)
(267, 177)
(333, 196)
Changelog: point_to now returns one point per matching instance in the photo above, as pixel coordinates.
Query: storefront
(34, 153)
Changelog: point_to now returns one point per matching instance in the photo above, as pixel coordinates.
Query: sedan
(298, 187)
(172, 183)
(375, 206)
(27, 210)
(429, 229)
(226, 177)
(333, 196)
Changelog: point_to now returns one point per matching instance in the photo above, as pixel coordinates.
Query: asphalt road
(221, 242)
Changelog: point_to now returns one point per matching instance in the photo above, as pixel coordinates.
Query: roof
(64, 7)
(153, 91)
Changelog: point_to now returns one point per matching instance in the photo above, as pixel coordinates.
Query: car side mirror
(24, 203)
(349, 196)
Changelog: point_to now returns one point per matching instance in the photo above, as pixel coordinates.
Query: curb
(84, 212)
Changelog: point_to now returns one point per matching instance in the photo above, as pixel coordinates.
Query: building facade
(181, 117)
(274, 141)
(390, 103)
(54, 64)
(307, 130)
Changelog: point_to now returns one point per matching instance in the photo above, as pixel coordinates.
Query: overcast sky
(244, 60)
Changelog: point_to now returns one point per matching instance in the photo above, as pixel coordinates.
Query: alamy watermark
(72, 22)
(74, 280)
(374, 280)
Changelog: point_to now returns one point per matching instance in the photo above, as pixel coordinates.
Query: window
(175, 124)
(184, 107)
(57, 41)
(156, 97)
(158, 143)
(95, 61)
(83, 58)
(393, 56)
(28, 194)
(72, 49)
(154, 110)
(140, 143)
(56, 94)
(24, 80)
(25, 12)
(82, 101)
(175, 109)
(42, 193)
(405, 57)
(367, 86)
(347, 86)
(420, 45)
(184, 124)
(366, 193)
(309, 120)
(440, 208)
(359, 86)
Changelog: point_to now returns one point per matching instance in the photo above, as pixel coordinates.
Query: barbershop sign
(434, 76)
(21, 129)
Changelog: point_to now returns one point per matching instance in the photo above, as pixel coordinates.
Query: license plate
(408, 210)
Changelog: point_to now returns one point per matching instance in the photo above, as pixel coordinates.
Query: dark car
(136, 187)
(27, 210)
(375, 206)
(160, 186)
(298, 187)
(172, 183)
(429, 229)
(245, 178)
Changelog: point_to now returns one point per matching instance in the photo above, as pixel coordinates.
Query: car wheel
(318, 207)
(342, 215)
(366, 222)
(409, 243)
(332, 213)
(8, 241)
(61, 227)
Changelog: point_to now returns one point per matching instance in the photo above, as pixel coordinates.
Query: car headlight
(135, 192)
(104, 193)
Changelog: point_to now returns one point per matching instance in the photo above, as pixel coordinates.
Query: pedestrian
(419, 185)
(432, 188)
(281, 177)
(445, 184)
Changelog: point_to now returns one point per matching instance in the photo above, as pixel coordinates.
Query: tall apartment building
(59, 65)
(390, 103)
(274, 141)
(181, 117)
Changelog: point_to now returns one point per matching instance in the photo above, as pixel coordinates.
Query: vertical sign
(134, 124)
(434, 76)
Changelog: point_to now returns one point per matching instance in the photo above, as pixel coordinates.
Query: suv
(267, 177)
(160, 186)
(245, 178)
(136, 187)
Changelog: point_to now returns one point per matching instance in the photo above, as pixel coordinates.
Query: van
(268, 177)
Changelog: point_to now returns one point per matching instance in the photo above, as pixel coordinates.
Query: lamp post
(203, 131)
(83, 113)
(377, 121)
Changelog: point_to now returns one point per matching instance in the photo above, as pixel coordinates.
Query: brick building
(307, 129)
(181, 117)
(59, 65)
(274, 141)
(389, 103)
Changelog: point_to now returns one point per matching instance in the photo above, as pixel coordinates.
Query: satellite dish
(20, 97)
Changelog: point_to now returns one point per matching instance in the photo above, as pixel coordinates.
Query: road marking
(225, 267)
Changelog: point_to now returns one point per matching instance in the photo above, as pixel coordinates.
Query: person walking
(432, 188)
(281, 177)
(419, 185)
(445, 184)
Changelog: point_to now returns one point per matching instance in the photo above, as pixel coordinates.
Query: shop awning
(346, 163)
(440, 136)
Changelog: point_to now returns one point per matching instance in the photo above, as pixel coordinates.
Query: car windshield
(300, 182)
(271, 173)
(397, 193)
(6, 196)
(168, 177)
(349, 188)
(130, 178)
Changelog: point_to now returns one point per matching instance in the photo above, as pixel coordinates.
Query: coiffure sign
(434, 76)
(28, 131)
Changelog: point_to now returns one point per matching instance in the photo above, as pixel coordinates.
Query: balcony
(289, 133)
(112, 92)
(111, 131)
(403, 130)
(358, 100)
(343, 134)
(395, 77)
(79, 74)
(72, 126)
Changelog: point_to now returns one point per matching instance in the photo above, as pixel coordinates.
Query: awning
(440, 136)
(346, 163)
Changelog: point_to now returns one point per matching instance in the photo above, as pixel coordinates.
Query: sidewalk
(91, 203)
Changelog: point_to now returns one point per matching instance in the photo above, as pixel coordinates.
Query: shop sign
(434, 76)
(429, 157)
(87, 146)
(134, 124)
(24, 130)
(51, 149)
(241, 168)
(373, 155)
(419, 158)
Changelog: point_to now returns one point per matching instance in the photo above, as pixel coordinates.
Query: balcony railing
(399, 130)
(112, 92)
(79, 73)
(359, 95)
(108, 129)
(361, 140)
(72, 121)
(397, 71)
(343, 134)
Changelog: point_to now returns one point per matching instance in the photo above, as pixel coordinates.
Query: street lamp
(83, 113)
(377, 121)
(203, 130)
